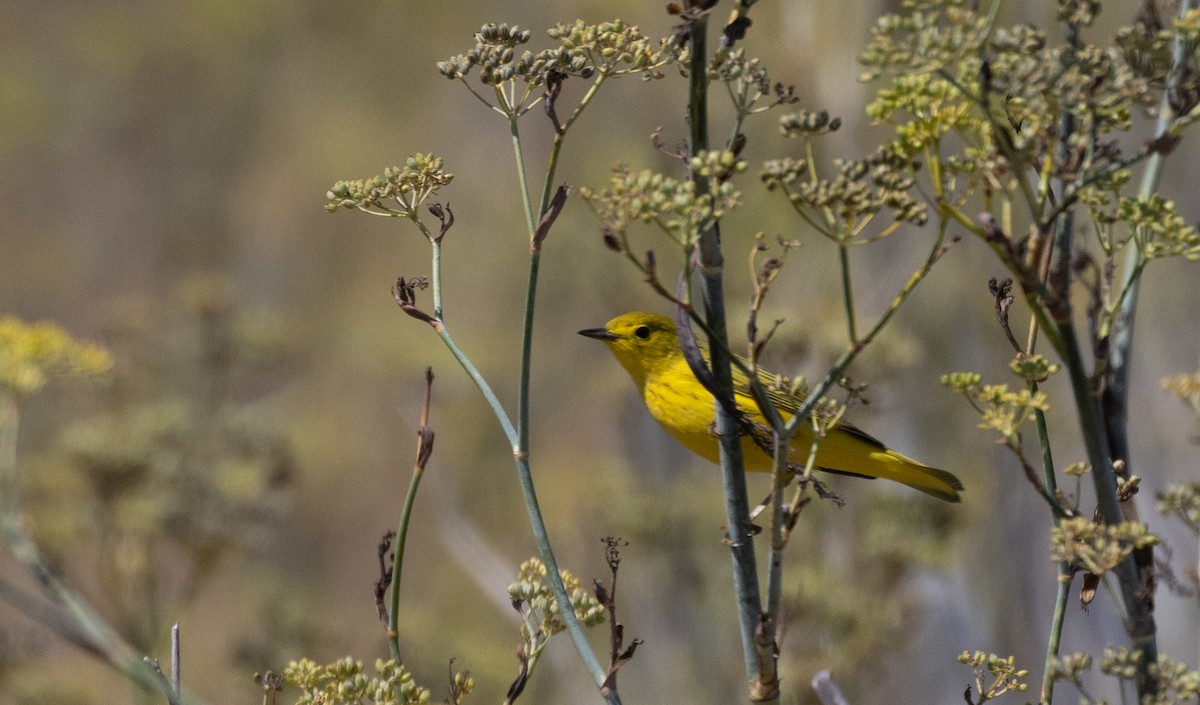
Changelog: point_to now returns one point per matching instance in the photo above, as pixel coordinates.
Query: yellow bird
(647, 347)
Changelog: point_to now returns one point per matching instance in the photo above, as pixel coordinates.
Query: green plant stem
(1141, 625)
(522, 449)
(1049, 481)
(436, 269)
(443, 332)
(551, 167)
(1056, 626)
(489, 396)
(393, 626)
(38, 611)
(1061, 255)
(1065, 574)
(558, 139)
(781, 475)
(537, 524)
(518, 436)
(86, 629)
(1095, 426)
(737, 504)
(847, 291)
(1116, 394)
(782, 435)
(526, 203)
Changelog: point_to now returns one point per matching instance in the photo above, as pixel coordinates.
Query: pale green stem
(1117, 392)
(518, 436)
(847, 291)
(737, 505)
(1091, 421)
(583, 103)
(821, 228)
(435, 279)
(554, 577)
(393, 631)
(1097, 435)
(1065, 574)
(781, 474)
(510, 432)
(471, 89)
(521, 450)
(1056, 626)
(522, 180)
(436, 268)
(537, 525)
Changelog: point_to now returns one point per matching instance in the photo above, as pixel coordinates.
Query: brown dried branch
(549, 216)
(404, 292)
(1002, 292)
(445, 216)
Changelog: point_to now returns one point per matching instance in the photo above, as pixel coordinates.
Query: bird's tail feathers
(891, 465)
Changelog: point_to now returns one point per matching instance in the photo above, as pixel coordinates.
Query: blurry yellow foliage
(30, 354)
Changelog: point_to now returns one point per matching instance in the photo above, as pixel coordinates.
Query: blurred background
(165, 169)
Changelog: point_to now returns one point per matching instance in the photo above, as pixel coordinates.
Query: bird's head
(642, 342)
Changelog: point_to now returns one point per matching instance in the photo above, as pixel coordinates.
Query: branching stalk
(1065, 572)
(518, 434)
(1056, 626)
(424, 447)
(522, 180)
(1116, 395)
(1091, 420)
(1096, 427)
(737, 504)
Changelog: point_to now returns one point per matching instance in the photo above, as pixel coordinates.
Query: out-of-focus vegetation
(235, 471)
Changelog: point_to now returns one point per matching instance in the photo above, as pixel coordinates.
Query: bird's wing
(788, 403)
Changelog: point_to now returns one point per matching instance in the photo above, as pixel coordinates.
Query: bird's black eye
(642, 332)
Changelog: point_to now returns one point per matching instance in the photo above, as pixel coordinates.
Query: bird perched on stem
(647, 347)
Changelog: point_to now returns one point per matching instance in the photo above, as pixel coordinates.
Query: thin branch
(176, 663)
(1065, 578)
(619, 654)
(847, 292)
(425, 438)
(737, 505)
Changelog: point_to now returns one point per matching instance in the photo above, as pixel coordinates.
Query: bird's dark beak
(598, 334)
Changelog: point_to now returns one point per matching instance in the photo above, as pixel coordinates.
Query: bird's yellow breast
(686, 410)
